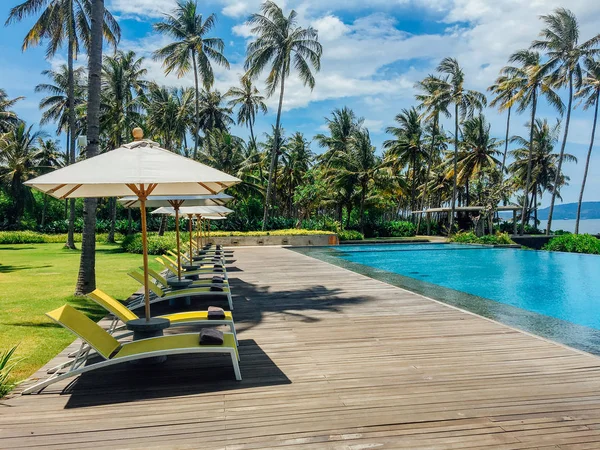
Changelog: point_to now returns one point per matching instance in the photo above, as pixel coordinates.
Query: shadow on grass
(17, 248)
(7, 268)
(36, 324)
(110, 251)
(180, 375)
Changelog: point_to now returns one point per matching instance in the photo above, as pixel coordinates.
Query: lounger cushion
(217, 280)
(210, 336)
(216, 288)
(216, 313)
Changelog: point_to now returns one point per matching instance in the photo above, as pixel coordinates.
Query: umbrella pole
(178, 243)
(145, 257)
(197, 232)
(191, 232)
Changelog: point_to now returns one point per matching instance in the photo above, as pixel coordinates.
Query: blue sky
(374, 51)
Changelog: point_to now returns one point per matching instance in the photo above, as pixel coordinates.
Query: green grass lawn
(36, 278)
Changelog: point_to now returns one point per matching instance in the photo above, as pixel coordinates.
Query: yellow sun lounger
(171, 265)
(113, 352)
(179, 293)
(124, 314)
(196, 283)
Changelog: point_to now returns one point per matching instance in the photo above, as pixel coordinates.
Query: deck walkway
(331, 360)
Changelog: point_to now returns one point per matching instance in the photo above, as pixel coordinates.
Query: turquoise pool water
(564, 286)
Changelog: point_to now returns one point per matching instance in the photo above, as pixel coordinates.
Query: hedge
(33, 237)
(574, 243)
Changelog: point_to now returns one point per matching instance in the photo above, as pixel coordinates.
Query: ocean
(591, 226)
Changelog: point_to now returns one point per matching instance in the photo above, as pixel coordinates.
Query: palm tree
(167, 115)
(212, 114)
(504, 90)
(407, 148)
(223, 151)
(8, 118)
(530, 82)
(49, 157)
(191, 49)
(560, 40)
(451, 90)
(544, 163)
(297, 159)
(342, 125)
(122, 86)
(55, 106)
(247, 97)
(478, 152)
(60, 20)
(590, 95)
(86, 278)
(280, 42)
(18, 163)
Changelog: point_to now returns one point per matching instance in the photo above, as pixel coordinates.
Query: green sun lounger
(113, 352)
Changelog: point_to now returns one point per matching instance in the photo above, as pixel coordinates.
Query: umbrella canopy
(140, 167)
(156, 201)
(204, 211)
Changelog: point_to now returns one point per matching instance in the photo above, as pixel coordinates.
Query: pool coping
(556, 331)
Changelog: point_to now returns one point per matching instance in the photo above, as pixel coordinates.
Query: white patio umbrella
(172, 205)
(219, 212)
(140, 167)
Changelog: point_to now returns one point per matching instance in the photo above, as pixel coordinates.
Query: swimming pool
(553, 294)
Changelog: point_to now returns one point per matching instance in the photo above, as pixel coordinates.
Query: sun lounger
(114, 352)
(161, 295)
(124, 314)
(172, 267)
(196, 283)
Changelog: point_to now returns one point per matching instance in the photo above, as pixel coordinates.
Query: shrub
(401, 229)
(468, 237)
(32, 237)
(350, 235)
(574, 243)
(7, 364)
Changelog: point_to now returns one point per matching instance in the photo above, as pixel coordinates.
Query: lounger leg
(236, 367)
(230, 300)
(232, 329)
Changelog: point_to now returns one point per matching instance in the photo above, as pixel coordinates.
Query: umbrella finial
(138, 134)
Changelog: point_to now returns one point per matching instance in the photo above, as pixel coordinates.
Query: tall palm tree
(192, 49)
(86, 278)
(478, 152)
(167, 115)
(531, 82)
(49, 157)
(55, 105)
(223, 151)
(281, 42)
(18, 163)
(63, 20)
(544, 163)
(560, 40)
(297, 159)
(590, 96)
(8, 118)
(122, 86)
(504, 91)
(212, 114)
(451, 90)
(249, 100)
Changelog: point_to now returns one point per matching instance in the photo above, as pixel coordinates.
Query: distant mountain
(567, 211)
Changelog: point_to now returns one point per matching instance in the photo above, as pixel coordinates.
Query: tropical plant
(280, 42)
(590, 96)
(7, 364)
(296, 158)
(49, 157)
(560, 40)
(451, 90)
(18, 162)
(223, 151)
(191, 49)
(8, 118)
(249, 102)
(504, 91)
(167, 112)
(212, 113)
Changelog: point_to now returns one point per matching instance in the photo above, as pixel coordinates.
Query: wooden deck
(331, 360)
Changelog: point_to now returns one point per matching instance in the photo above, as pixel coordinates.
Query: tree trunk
(505, 145)
(362, 208)
(163, 225)
(252, 138)
(529, 162)
(273, 155)
(112, 201)
(560, 157)
(44, 211)
(425, 194)
(129, 220)
(86, 280)
(535, 207)
(71, 105)
(349, 211)
(197, 121)
(455, 164)
(587, 163)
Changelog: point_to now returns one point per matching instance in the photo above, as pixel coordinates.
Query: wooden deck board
(331, 360)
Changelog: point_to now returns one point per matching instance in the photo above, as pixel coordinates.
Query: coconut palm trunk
(197, 106)
(560, 157)
(587, 164)
(524, 214)
(505, 143)
(274, 154)
(86, 279)
(455, 165)
(71, 105)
